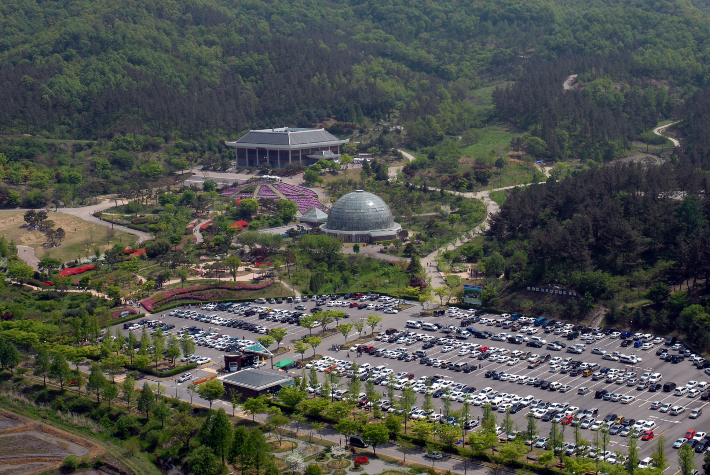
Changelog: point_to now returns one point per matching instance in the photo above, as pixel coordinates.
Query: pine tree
(146, 400)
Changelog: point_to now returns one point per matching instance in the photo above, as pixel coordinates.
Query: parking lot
(637, 409)
(664, 424)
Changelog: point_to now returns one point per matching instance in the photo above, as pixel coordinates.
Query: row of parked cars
(699, 441)
(216, 340)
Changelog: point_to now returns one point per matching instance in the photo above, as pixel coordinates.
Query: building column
(289, 156)
(256, 150)
(278, 157)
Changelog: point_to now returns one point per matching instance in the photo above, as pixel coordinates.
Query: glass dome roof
(359, 211)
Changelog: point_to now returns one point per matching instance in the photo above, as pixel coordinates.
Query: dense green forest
(84, 69)
(620, 234)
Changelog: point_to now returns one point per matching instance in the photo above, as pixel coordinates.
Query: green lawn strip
(499, 196)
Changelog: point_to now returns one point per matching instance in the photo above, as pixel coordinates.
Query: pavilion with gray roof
(282, 146)
(254, 382)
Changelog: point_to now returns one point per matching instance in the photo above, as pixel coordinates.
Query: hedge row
(163, 374)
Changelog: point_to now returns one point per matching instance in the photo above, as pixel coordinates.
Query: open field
(81, 236)
(495, 137)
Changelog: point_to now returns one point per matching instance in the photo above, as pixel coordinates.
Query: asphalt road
(671, 427)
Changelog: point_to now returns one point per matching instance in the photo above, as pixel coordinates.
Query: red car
(690, 434)
(567, 419)
(648, 435)
(483, 349)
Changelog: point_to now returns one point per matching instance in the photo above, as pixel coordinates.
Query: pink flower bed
(117, 313)
(201, 292)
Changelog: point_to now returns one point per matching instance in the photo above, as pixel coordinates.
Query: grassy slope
(81, 236)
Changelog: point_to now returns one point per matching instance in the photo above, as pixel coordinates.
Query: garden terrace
(304, 198)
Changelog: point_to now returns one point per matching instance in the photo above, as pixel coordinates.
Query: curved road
(87, 214)
(660, 129)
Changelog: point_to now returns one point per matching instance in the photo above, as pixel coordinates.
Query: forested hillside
(91, 69)
(619, 234)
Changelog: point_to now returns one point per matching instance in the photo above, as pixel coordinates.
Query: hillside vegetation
(84, 69)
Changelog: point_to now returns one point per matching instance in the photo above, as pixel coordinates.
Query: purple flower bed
(266, 192)
(304, 198)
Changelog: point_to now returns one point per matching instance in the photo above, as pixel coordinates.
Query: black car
(538, 383)
(489, 374)
(549, 416)
(668, 387)
(427, 345)
(626, 343)
(534, 344)
(317, 309)
(655, 387)
(559, 343)
(438, 393)
(424, 361)
(700, 447)
(600, 393)
(545, 385)
(575, 372)
(610, 418)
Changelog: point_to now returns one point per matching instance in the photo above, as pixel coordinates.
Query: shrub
(71, 462)
(313, 469)
(127, 425)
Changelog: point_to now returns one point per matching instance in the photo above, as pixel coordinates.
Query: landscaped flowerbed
(304, 198)
(76, 270)
(190, 239)
(130, 310)
(220, 291)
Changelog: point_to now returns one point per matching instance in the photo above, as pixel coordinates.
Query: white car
(598, 351)
(627, 399)
(391, 310)
(184, 377)
(695, 392)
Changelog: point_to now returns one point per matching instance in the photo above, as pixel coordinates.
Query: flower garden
(211, 292)
(304, 198)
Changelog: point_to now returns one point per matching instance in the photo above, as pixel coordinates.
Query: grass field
(499, 196)
(482, 98)
(495, 137)
(81, 237)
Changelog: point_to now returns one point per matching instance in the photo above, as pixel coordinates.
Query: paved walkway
(87, 214)
(27, 254)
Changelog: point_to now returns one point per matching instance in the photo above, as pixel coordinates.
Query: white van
(413, 324)
(645, 463)
(428, 326)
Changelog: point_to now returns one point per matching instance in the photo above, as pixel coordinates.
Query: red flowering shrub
(362, 460)
(76, 270)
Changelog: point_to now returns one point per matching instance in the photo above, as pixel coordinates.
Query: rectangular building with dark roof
(279, 147)
(254, 382)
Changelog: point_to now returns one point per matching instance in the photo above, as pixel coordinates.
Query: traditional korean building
(279, 147)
